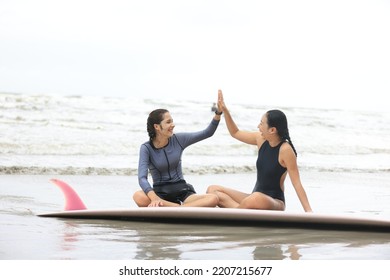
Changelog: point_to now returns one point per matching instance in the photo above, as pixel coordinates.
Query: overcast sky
(290, 53)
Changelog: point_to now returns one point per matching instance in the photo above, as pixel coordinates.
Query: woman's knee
(141, 199)
(213, 189)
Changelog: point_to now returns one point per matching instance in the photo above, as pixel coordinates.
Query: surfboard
(76, 209)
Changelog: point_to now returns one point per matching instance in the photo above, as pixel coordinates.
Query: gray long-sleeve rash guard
(165, 163)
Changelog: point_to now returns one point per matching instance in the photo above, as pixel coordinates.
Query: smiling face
(166, 126)
(263, 126)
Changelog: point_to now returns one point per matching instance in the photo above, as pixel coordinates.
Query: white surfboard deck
(232, 217)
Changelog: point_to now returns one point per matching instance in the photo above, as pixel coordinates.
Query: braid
(286, 137)
(151, 131)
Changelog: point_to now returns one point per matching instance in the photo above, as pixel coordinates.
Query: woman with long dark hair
(161, 155)
(277, 157)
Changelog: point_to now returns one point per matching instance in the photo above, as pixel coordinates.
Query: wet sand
(24, 236)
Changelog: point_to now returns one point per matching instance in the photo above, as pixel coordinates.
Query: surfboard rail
(220, 216)
(232, 217)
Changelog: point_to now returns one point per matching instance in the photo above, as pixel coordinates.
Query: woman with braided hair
(276, 158)
(161, 155)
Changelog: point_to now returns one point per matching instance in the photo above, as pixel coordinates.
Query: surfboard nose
(72, 199)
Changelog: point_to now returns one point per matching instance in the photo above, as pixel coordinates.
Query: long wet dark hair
(278, 119)
(155, 117)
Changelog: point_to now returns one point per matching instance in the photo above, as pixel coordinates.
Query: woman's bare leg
(141, 199)
(201, 200)
(258, 200)
(228, 198)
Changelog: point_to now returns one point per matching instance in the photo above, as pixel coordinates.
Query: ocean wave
(43, 134)
(344, 169)
(204, 170)
(69, 170)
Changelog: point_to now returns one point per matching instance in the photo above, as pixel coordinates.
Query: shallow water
(98, 239)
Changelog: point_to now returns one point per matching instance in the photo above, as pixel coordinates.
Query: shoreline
(192, 171)
(328, 192)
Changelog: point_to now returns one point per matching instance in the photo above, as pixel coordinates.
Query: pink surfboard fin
(72, 199)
